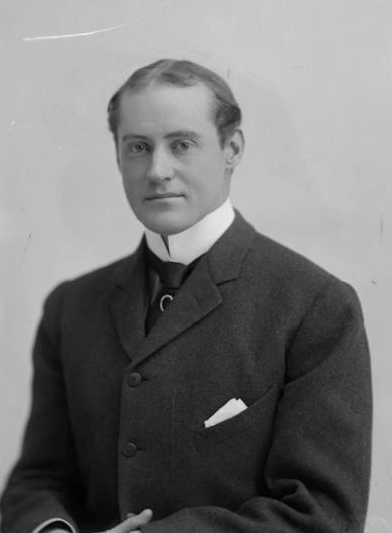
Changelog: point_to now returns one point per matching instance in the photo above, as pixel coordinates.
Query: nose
(161, 168)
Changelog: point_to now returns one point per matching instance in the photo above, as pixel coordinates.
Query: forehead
(159, 109)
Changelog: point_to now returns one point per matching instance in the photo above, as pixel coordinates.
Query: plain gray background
(314, 79)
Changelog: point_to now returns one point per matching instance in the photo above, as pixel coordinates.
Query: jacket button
(129, 449)
(134, 379)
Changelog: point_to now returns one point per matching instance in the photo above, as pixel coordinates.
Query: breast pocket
(255, 421)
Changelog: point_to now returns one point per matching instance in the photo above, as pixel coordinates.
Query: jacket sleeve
(318, 467)
(44, 484)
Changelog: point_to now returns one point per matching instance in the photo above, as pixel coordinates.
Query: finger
(134, 522)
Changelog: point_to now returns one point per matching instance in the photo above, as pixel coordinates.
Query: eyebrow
(182, 133)
(171, 135)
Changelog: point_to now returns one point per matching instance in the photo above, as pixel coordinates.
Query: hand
(132, 523)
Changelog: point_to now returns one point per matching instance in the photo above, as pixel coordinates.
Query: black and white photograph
(196, 266)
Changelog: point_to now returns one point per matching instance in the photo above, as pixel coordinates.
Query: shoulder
(91, 286)
(283, 263)
(290, 277)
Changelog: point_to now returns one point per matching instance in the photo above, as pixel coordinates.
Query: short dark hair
(182, 73)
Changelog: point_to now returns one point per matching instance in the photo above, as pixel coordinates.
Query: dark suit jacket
(117, 418)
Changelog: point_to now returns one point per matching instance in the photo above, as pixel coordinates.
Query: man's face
(174, 170)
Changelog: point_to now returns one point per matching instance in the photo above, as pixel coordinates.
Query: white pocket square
(231, 408)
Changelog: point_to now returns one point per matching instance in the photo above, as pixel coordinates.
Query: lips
(163, 196)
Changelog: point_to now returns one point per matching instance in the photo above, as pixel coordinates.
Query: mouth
(165, 196)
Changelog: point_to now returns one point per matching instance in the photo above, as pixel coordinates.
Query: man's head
(176, 129)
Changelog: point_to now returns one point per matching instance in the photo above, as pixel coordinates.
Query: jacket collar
(226, 256)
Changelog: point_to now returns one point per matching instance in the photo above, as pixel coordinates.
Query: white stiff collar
(195, 241)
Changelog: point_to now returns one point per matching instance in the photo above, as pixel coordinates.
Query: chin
(167, 225)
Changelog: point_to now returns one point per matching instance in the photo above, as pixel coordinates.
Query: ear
(234, 148)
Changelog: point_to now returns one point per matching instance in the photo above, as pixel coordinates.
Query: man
(214, 381)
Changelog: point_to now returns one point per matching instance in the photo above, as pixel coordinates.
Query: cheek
(199, 173)
(132, 173)
(208, 181)
(132, 184)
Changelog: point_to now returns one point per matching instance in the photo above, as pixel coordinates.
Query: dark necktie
(171, 276)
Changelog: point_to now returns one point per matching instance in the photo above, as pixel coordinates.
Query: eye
(137, 148)
(182, 146)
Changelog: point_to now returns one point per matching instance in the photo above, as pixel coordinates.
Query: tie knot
(171, 274)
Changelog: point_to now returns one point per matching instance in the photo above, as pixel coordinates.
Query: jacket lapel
(198, 296)
(128, 305)
(200, 293)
